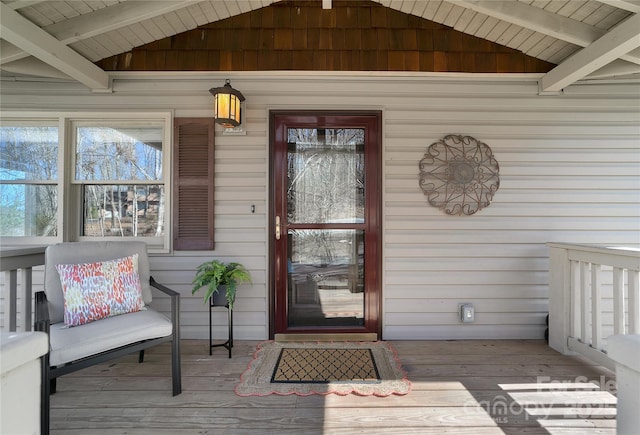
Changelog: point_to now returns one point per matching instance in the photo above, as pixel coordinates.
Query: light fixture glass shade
(227, 105)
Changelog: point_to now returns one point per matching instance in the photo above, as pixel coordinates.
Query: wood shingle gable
(300, 35)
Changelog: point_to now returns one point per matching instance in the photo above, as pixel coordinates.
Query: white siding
(569, 172)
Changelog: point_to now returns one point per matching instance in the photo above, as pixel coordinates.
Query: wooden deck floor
(459, 387)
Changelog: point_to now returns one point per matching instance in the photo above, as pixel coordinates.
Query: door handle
(277, 227)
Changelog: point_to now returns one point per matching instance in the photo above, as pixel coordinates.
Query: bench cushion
(70, 344)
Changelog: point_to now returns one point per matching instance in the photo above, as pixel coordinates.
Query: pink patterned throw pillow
(93, 291)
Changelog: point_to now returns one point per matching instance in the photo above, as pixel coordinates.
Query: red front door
(325, 215)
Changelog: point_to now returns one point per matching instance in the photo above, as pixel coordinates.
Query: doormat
(360, 368)
(320, 366)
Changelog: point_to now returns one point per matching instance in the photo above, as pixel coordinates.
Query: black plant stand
(218, 300)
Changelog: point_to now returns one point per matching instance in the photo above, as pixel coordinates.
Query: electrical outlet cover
(467, 313)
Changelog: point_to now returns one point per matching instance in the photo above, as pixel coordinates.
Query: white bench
(78, 347)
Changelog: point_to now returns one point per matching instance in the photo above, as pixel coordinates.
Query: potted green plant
(216, 275)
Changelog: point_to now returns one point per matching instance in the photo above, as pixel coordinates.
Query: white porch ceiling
(587, 39)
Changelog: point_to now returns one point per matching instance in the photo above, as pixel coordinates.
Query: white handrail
(594, 293)
(12, 260)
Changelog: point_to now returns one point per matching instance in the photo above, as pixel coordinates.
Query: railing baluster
(618, 301)
(634, 301)
(584, 302)
(576, 313)
(596, 307)
(12, 277)
(27, 294)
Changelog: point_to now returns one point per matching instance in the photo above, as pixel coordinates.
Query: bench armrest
(42, 321)
(164, 289)
(175, 306)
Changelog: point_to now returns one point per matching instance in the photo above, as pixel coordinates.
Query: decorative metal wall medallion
(459, 175)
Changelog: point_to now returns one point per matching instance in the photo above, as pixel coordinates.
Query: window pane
(28, 210)
(28, 153)
(118, 153)
(123, 210)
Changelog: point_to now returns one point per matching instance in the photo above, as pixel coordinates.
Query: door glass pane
(326, 278)
(325, 175)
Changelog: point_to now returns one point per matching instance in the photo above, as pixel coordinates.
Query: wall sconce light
(226, 105)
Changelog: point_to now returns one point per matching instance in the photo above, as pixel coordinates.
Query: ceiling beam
(617, 68)
(112, 18)
(34, 67)
(25, 35)
(101, 21)
(619, 40)
(19, 4)
(9, 53)
(534, 18)
(627, 5)
(539, 20)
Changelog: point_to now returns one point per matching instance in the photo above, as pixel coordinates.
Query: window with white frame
(115, 182)
(29, 179)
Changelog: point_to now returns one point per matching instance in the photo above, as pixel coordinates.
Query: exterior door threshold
(289, 338)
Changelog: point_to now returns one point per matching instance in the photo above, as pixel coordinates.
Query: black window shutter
(193, 184)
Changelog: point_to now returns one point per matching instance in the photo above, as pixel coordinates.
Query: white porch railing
(594, 293)
(14, 261)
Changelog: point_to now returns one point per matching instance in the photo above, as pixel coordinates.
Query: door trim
(373, 192)
(293, 338)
